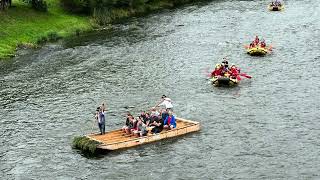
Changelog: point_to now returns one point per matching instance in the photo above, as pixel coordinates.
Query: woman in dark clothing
(158, 125)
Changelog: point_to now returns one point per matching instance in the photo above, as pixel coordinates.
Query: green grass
(85, 145)
(21, 25)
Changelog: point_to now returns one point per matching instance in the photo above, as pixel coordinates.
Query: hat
(163, 96)
(98, 109)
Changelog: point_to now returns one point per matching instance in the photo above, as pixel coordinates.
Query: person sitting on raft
(164, 114)
(277, 3)
(252, 44)
(225, 66)
(234, 71)
(140, 129)
(217, 70)
(170, 122)
(129, 124)
(256, 40)
(263, 44)
(146, 118)
(157, 124)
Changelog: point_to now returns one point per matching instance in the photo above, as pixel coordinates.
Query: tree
(5, 4)
(40, 5)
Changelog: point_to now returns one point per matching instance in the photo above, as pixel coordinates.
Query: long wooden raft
(116, 139)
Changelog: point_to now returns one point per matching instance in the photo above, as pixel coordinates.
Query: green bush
(42, 39)
(86, 145)
(40, 5)
(138, 3)
(53, 36)
(77, 6)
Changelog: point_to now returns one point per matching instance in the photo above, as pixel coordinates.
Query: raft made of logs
(117, 139)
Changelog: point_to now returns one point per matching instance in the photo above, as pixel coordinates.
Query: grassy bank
(21, 25)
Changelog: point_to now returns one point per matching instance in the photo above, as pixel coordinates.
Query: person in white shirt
(166, 102)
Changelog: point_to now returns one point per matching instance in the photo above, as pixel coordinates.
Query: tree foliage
(40, 5)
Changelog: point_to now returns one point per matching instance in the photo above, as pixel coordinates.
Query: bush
(40, 5)
(77, 6)
(138, 3)
(86, 145)
(42, 39)
(53, 36)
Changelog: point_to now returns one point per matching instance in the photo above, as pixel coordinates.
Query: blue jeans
(102, 127)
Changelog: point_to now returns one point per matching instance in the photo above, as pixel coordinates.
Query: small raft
(275, 8)
(224, 81)
(116, 139)
(257, 51)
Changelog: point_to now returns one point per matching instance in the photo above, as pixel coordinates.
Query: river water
(266, 128)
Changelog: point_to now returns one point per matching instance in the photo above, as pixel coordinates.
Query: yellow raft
(257, 51)
(224, 81)
(116, 139)
(276, 8)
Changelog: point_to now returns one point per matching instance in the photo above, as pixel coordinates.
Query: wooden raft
(116, 139)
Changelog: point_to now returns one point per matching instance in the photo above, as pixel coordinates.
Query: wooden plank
(117, 139)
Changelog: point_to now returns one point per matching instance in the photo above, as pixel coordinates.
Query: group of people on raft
(275, 3)
(257, 42)
(158, 118)
(153, 121)
(223, 69)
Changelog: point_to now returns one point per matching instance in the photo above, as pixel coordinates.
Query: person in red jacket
(234, 72)
(252, 44)
(217, 71)
(263, 44)
(256, 40)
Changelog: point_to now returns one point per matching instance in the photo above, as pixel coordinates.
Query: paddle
(238, 78)
(245, 75)
(92, 127)
(93, 124)
(207, 73)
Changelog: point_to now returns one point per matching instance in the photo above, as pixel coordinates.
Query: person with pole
(100, 117)
(166, 102)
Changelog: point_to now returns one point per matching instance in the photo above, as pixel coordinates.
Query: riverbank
(23, 27)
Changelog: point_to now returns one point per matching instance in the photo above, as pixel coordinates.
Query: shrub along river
(266, 128)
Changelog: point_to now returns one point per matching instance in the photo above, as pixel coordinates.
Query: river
(266, 128)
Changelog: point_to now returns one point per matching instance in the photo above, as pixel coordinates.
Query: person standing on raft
(166, 102)
(101, 118)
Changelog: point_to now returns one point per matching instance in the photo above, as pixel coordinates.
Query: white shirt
(167, 103)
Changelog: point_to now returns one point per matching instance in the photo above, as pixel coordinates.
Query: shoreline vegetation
(85, 145)
(24, 27)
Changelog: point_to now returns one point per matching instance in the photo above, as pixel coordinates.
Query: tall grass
(85, 145)
(21, 25)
